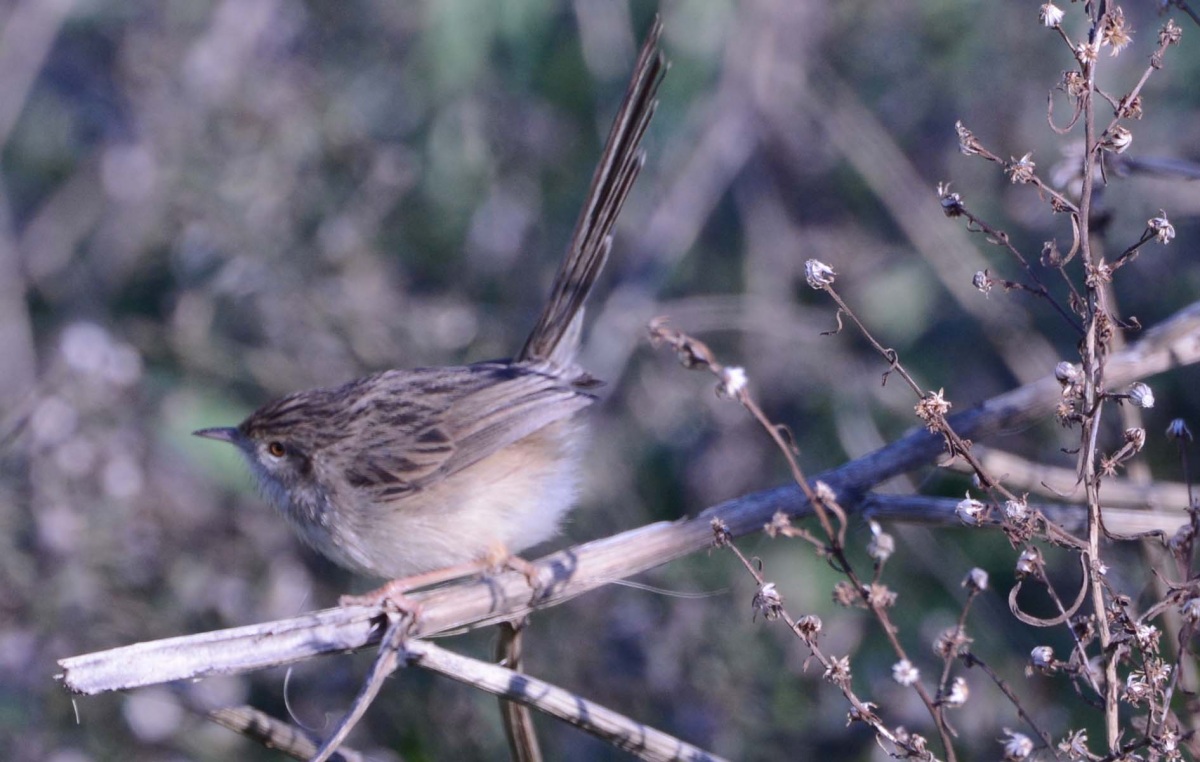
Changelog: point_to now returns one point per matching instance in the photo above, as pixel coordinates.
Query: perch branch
(572, 572)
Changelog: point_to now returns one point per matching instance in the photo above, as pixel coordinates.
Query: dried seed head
(1086, 53)
(1051, 256)
(1164, 231)
(844, 594)
(1168, 741)
(1020, 170)
(1130, 108)
(905, 673)
(1136, 438)
(1075, 746)
(1114, 32)
(915, 744)
(1147, 636)
(1170, 34)
(958, 693)
(818, 274)
(880, 595)
(1016, 511)
(976, 580)
(864, 712)
(1042, 658)
(932, 408)
(1050, 16)
(882, 544)
(1068, 374)
(1029, 562)
(1158, 672)
(809, 626)
(721, 535)
(1141, 395)
(982, 282)
(948, 642)
(970, 511)
(838, 670)
(967, 142)
(733, 381)
(1191, 610)
(768, 602)
(1137, 688)
(1074, 84)
(1116, 140)
(1099, 273)
(780, 524)
(1178, 429)
(951, 202)
(1017, 746)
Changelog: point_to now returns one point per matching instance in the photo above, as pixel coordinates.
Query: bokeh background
(204, 205)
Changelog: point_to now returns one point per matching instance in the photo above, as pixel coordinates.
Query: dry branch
(572, 572)
(274, 734)
(639, 740)
(1059, 483)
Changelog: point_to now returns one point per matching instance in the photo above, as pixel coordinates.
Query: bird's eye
(276, 449)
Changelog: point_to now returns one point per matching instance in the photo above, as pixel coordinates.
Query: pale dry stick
(385, 664)
(1022, 475)
(1093, 372)
(522, 739)
(569, 573)
(918, 509)
(629, 736)
(513, 688)
(271, 733)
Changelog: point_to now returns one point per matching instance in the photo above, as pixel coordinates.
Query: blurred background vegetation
(207, 204)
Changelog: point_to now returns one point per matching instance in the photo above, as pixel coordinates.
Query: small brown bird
(408, 471)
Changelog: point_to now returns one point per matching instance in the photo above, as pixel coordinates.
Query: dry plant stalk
(1117, 655)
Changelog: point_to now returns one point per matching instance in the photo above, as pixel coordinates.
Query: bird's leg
(498, 558)
(393, 592)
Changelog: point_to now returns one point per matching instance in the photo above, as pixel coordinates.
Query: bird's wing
(459, 417)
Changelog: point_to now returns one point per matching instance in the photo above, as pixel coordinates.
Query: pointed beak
(226, 434)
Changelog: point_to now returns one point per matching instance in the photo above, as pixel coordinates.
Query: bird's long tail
(555, 337)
